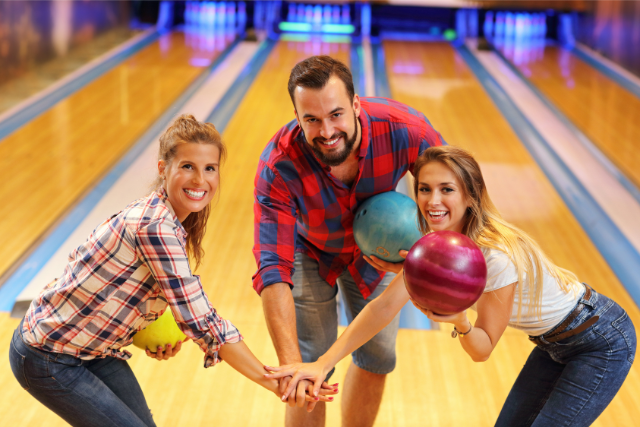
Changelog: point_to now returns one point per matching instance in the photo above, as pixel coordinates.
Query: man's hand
(393, 267)
(304, 393)
(167, 353)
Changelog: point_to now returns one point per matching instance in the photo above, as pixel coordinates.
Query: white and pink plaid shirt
(121, 280)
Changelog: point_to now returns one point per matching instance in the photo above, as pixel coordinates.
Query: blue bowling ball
(385, 224)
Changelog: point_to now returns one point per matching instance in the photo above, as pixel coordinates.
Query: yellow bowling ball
(160, 333)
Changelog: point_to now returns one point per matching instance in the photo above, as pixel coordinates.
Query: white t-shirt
(555, 305)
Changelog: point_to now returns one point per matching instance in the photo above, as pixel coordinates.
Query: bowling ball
(163, 331)
(445, 272)
(385, 224)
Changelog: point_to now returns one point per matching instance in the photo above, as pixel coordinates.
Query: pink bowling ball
(445, 272)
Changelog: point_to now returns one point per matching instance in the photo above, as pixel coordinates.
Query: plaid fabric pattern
(119, 281)
(300, 206)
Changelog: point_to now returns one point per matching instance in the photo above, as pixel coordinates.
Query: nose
(434, 198)
(327, 130)
(198, 177)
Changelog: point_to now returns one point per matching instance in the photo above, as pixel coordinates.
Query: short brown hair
(315, 72)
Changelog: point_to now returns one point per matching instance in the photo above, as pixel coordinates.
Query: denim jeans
(570, 382)
(98, 392)
(317, 317)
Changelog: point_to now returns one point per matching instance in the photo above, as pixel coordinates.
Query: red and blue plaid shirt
(300, 207)
(119, 281)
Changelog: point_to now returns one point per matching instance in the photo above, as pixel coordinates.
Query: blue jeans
(98, 392)
(570, 382)
(317, 317)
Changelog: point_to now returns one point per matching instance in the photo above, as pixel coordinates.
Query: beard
(335, 159)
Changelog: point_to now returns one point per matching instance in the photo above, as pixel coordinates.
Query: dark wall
(612, 28)
(32, 32)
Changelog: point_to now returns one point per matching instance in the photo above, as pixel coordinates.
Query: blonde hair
(485, 226)
(187, 130)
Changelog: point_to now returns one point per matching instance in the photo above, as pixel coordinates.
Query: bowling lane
(434, 79)
(46, 165)
(607, 113)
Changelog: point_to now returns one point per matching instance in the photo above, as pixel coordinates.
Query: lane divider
(616, 73)
(37, 104)
(580, 136)
(614, 246)
(27, 270)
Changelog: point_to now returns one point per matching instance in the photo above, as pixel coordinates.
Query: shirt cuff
(270, 275)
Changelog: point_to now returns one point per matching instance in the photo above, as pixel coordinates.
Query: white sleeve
(500, 270)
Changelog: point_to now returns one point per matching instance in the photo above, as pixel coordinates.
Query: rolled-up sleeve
(160, 248)
(274, 229)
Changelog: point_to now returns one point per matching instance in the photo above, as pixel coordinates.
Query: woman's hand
(379, 264)
(167, 353)
(314, 372)
(459, 320)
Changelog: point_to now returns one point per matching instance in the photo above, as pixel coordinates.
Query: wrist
(326, 362)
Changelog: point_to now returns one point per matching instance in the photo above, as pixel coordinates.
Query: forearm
(280, 314)
(239, 357)
(477, 343)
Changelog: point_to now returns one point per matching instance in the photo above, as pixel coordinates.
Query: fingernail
(283, 397)
(330, 398)
(317, 398)
(336, 384)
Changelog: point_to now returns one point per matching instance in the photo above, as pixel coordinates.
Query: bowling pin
(488, 25)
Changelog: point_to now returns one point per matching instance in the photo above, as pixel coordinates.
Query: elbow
(480, 357)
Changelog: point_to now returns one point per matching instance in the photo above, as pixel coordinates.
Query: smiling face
(192, 177)
(441, 198)
(329, 120)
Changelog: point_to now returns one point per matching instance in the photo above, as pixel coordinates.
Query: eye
(447, 190)
(336, 115)
(211, 169)
(424, 189)
(311, 120)
(187, 166)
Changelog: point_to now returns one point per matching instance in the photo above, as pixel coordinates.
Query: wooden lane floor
(434, 79)
(46, 165)
(181, 392)
(607, 113)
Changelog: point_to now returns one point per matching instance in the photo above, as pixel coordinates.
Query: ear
(161, 167)
(356, 104)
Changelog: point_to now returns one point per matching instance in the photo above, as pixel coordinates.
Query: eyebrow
(191, 161)
(442, 183)
(335, 110)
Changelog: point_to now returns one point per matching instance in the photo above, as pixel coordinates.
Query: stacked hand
(300, 378)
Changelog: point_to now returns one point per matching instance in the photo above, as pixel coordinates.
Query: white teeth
(437, 214)
(195, 194)
(333, 141)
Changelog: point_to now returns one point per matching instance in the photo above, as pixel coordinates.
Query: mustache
(320, 140)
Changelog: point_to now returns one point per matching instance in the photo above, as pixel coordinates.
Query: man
(311, 178)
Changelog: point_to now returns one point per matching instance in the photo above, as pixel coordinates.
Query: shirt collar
(164, 198)
(365, 128)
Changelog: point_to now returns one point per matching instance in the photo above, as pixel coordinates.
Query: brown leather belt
(551, 337)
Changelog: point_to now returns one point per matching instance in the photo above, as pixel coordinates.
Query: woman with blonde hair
(585, 342)
(68, 351)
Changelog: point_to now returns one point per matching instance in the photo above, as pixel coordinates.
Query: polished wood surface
(608, 114)
(49, 163)
(439, 83)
